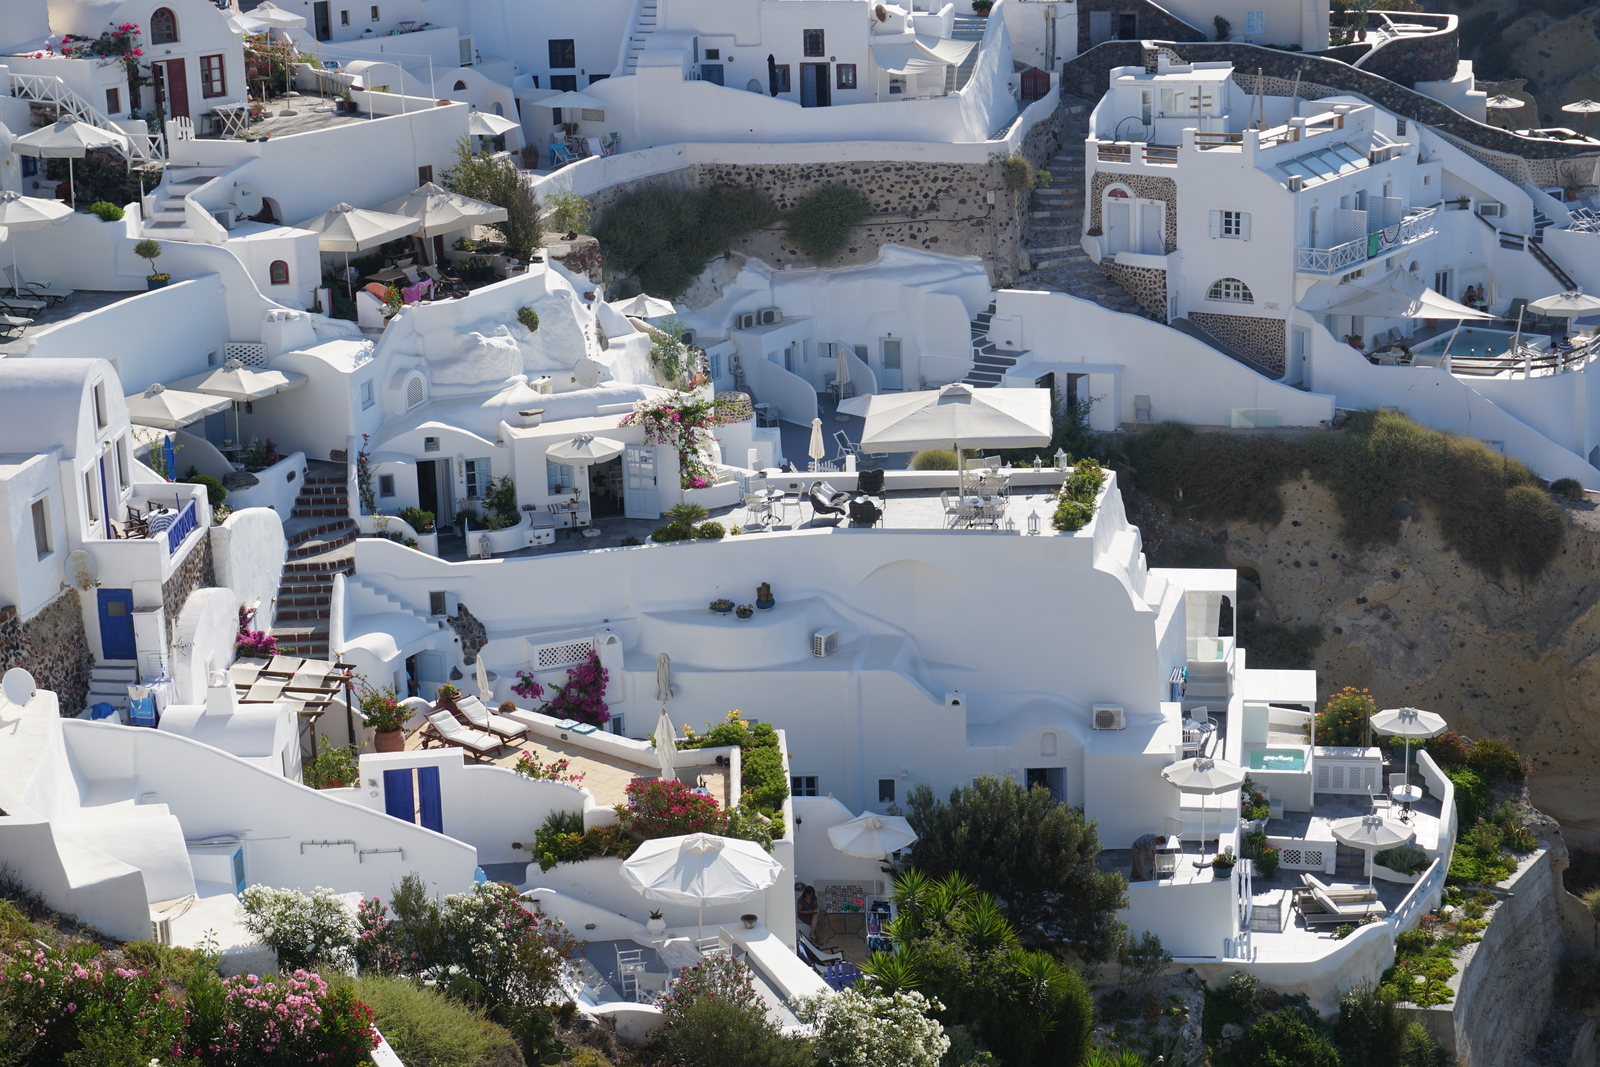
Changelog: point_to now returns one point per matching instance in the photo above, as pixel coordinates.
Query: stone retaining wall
(1154, 21)
(1259, 338)
(1147, 285)
(195, 572)
(52, 646)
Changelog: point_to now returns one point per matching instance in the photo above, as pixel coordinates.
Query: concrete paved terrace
(81, 302)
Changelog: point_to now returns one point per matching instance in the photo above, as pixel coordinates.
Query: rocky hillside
(1514, 658)
(1553, 45)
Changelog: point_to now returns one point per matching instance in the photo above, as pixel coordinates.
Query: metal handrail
(48, 89)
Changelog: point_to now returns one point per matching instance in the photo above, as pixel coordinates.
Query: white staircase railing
(146, 148)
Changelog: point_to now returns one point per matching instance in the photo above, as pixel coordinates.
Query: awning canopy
(441, 211)
(1407, 298)
(919, 53)
(172, 409)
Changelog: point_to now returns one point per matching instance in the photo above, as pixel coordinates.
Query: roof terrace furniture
(817, 958)
(1344, 893)
(561, 155)
(869, 482)
(478, 715)
(442, 729)
(826, 500)
(1317, 908)
(865, 513)
(11, 325)
(35, 290)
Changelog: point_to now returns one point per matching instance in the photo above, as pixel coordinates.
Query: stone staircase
(967, 27)
(1352, 864)
(321, 536)
(167, 222)
(989, 364)
(1056, 260)
(640, 34)
(109, 681)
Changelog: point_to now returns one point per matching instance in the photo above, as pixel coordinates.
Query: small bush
(303, 930)
(1243, 990)
(1019, 175)
(672, 532)
(820, 222)
(1473, 799)
(106, 211)
(416, 518)
(1281, 1039)
(569, 212)
(1495, 761)
(630, 542)
(1407, 859)
(1570, 488)
(215, 493)
(934, 459)
(426, 1027)
(1449, 749)
(665, 237)
(711, 531)
(529, 318)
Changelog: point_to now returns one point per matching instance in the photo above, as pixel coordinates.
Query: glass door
(641, 498)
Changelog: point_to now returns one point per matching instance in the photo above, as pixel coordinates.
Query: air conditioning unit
(1108, 717)
(1490, 209)
(224, 218)
(1296, 183)
(769, 316)
(467, 54)
(824, 643)
(745, 321)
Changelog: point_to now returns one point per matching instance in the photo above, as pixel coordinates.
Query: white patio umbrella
(1371, 833)
(347, 229)
(1207, 777)
(584, 449)
(485, 124)
(1502, 102)
(816, 449)
(68, 140)
(700, 869)
(18, 212)
(959, 414)
(643, 306)
(1568, 305)
(247, 24)
(237, 382)
(571, 99)
(439, 211)
(872, 836)
(276, 18)
(1584, 108)
(666, 747)
(172, 409)
(1408, 723)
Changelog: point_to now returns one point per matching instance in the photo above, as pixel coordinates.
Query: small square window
(563, 53)
(344, 18)
(425, 174)
(1255, 22)
(846, 76)
(366, 394)
(803, 785)
(436, 604)
(386, 485)
(374, 12)
(885, 790)
(813, 42)
(113, 101)
(713, 53)
(1232, 223)
(430, 444)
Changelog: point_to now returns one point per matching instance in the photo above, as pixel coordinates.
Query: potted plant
(333, 768)
(722, 605)
(1223, 862)
(656, 925)
(1354, 341)
(981, 7)
(764, 598)
(749, 921)
(387, 717)
(446, 694)
(744, 611)
(1572, 182)
(151, 250)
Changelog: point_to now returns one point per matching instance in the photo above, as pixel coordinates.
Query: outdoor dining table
(678, 953)
(987, 510)
(387, 274)
(1405, 796)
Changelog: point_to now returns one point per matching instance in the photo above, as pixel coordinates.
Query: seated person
(1144, 856)
(1564, 345)
(1470, 297)
(806, 910)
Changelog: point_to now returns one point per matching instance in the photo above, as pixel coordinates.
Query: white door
(640, 497)
(1117, 226)
(1151, 242)
(890, 379)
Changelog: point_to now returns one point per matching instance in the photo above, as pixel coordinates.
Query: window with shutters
(213, 81)
(1230, 289)
(416, 391)
(1234, 225)
(1255, 21)
(477, 474)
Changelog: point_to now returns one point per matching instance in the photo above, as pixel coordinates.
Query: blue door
(428, 794)
(711, 72)
(116, 624)
(398, 799)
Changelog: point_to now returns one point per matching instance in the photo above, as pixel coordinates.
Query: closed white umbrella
(439, 211)
(700, 869)
(172, 409)
(843, 376)
(1371, 833)
(816, 449)
(347, 229)
(872, 836)
(18, 212)
(68, 140)
(666, 747)
(643, 306)
(484, 124)
(982, 418)
(665, 690)
(1409, 723)
(1207, 777)
(485, 694)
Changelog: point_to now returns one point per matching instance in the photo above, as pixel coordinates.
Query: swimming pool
(1475, 341)
(1277, 759)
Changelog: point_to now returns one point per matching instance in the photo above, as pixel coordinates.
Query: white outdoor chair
(1381, 803)
(630, 965)
(1398, 780)
(1200, 714)
(484, 719)
(1141, 408)
(651, 985)
(443, 729)
(759, 508)
(712, 946)
(1174, 831)
(1166, 865)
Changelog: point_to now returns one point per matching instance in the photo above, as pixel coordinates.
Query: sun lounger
(35, 290)
(443, 729)
(480, 717)
(1342, 894)
(11, 325)
(1317, 909)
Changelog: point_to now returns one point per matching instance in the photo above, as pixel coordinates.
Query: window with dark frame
(113, 101)
(563, 53)
(374, 12)
(803, 785)
(813, 42)
(344, 18)
(99, 405)
(430, 444)
(781, 73)
(163, 26)
(436, 603)
(885, 790)
(386, 485)
(278, 273)
(41, 526)
(213, 81)
(424, 175)
(563, 83)
(845, 76)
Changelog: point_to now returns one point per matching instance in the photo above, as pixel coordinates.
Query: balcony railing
(181, 528)
(1416, 225)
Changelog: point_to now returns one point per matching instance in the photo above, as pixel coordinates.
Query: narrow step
(321, 530)
(318, 545)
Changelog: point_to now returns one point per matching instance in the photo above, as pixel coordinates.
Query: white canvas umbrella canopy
(439, 211)
(1204, 776)
(347, 229)
(700, 869)
(172, 409)
(237, 382)
(484, 124)
(665, 690)
(843, 376)
(18, 212)
(1584, 108)
(816, 449)
(666, 747)
(872, 836)
(1568, 305)
(643, 306)
(68, 140)
(276, 17)
(1371, 833)
(1408, 723)
(485, 694)
(1406, 298)
(244, 23)
(570, 99)
(585, 448)
(959, 414)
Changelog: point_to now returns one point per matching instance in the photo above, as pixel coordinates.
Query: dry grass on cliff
(1491, 509)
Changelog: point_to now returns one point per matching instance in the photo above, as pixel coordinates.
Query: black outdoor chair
(865, 513)
(869, 482)
(826, 500)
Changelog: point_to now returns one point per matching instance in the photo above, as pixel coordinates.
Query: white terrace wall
(247, 553)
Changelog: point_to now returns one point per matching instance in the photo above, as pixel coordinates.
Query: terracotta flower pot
(389, 740)
(333, 783)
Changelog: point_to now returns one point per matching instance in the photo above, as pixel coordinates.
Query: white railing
(48, 89)
(1331, 260)
(1416, 225)
(1423, 896)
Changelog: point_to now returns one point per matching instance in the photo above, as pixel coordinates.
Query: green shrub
(934, 459)
(416, 518)
(1472, 795)
(1449, 749)
(215, 493)
(427, 1028)
(629, 542)
(1284, 1039)
(529, 319)
(569, 212)
(820, 222)
(1570, 488)
(719, 1033)
(1076, 499)
(1345, 718)
(1018, 175)
(687, 514)
(1243, 990)
(303, 930)
(1490, 509)
(711, 531)
(332, 764)
(106, 211)
(1407, 859)
(665, 236)
(1495, 761)
(671, 532)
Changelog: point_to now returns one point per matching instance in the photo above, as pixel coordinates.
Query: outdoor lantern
(1033, 523)
(1036, 463)
(484, 551)
(1061, 460)
(1011, 524)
